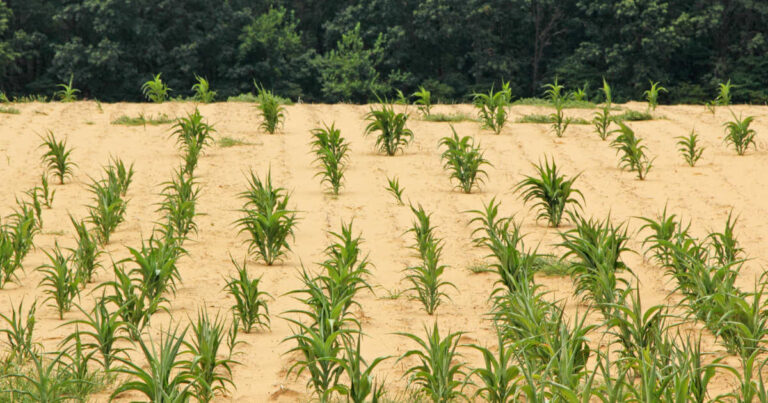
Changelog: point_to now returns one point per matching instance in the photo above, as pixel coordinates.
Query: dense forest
(349, 50)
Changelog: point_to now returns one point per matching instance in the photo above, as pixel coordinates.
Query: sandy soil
(722, 181)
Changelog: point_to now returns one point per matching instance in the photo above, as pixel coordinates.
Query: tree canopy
(357, 50)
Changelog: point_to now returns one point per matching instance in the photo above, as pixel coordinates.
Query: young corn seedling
(34, 204)
(393, 187)
(132, 301)
(723, 97)
(118, 173)
(662, 231)
(8, 261)
(551, 191)
(423, 100)
(57, 157)
(633, 156)
(738, 133)
(44, 382)
(345, 270)
(267, 219)
(77, 369)
(61, 281)
(501, 235)
(393, 135)
(602, 119)
(555, 95)
(439, 372)
(652, 95)
(203, 91)
(210, 371)
(104, 331)
(580, 94)
(19, 331)
(45, 191)
(363, 386)
(164, 378)
(67, 93)
(500, 376)
(16, 240)
(155, 264)
(464, 160)
(690, 148)
(271, 110)
(193, 134)
(85, 256)
(492, 107)
(155, 90)
(331, 155)
(425, 277)
(179, 204)
(250, 307)
(724, 244)
(108, 210)
(597, 247)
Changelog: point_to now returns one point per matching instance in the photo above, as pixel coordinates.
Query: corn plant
(331, 155)
(724, 93)
(393, 135)
(464, 160)
(393, 187)
(514, 264)
(118, 173)
(492, 107)
(425, 277)
(250, 307)
(724, 245)
(85, 256)
(154, 263)
(104, 330)
(16, 240)
(19, 332)
(738, 133)
(662, 231)
(193, 134)
(8, 261)
(271, 110)
(423, 100)
(689, 148)
(67, 93)
(45, 191)
(602, 119)
(210, 371)
(633, 156)
(345, 269)
(163, 379)
(652, 95)
(267, 219)
(203, 91)
(61, 280)
(34, 204)
(597, 247)
(44, 383)
(439, 370)
(555, 95)
(108, 210)
(580, 94)
(500, 376)
(155, 90)
(77, 370)
(362, 384)
(179, 204)
(57, 157)
(551, 191)
(133, 303)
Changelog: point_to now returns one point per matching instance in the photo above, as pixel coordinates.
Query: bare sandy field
(705, 194)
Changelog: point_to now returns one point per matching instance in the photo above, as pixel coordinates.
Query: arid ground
(721, 182)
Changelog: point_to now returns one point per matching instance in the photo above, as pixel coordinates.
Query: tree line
(357, 50)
